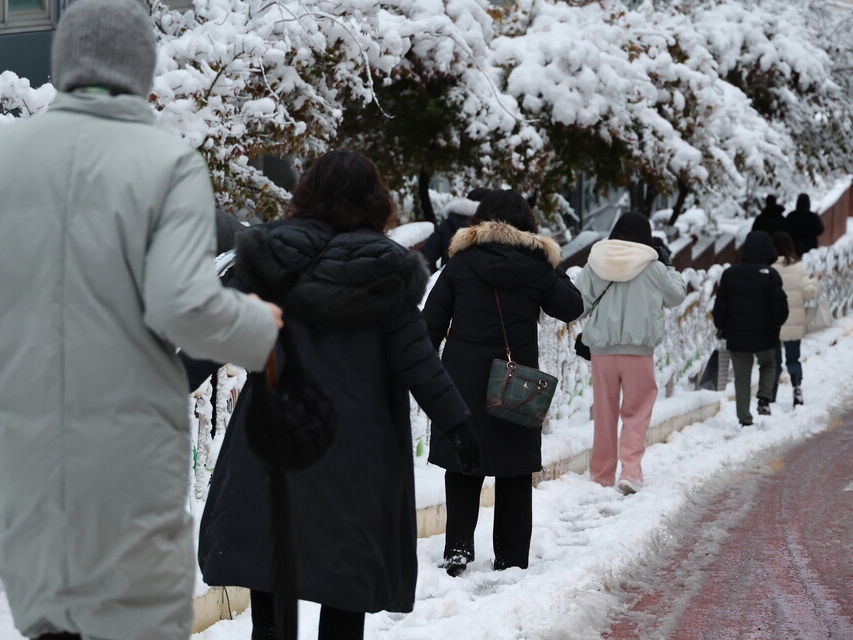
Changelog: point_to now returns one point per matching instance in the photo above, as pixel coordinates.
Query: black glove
(664, 254)
(464, 442)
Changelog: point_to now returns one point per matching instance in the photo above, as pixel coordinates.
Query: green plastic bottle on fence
(419, 448)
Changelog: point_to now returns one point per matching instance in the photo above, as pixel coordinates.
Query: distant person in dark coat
(501, 251)
(804, 225)
(351, 296)
(458, 216)
(750, 308)
(771, 219)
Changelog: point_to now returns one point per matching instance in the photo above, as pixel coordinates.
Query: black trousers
(513, 517)
(335, 624)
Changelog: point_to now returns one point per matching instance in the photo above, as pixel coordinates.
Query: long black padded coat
(751, 305)
(351, 301)
(521, 266)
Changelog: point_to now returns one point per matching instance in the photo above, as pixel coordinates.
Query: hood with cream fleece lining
(620, 260)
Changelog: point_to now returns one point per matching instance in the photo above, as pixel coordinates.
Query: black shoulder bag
(290, 423)
(517, 393)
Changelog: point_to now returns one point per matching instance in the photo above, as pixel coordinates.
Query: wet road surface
(766, 555)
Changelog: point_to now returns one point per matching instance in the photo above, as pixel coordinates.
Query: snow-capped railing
(689, 339)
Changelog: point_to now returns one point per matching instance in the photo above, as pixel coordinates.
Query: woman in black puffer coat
(351, 299)
(500, 250)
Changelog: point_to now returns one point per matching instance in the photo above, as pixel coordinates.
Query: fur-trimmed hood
(501, 233)
(349, 280)
(503, 255)
(620, 260)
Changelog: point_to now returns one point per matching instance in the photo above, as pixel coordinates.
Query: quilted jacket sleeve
(412, 357)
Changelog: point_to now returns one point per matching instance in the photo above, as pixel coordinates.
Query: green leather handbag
(517, 393)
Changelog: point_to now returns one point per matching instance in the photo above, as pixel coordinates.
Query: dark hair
(785, 247)
(633, 227)
(506, 206)
(343, 188)
(804, 203)
(476, 194)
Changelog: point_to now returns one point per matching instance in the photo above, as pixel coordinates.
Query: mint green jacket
(107, 264)
(629, 318)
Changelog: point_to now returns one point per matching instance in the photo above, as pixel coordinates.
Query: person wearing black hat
(108, 266)
(771, 218)
(805, 225)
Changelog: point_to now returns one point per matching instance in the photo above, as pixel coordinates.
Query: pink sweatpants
(635, 377)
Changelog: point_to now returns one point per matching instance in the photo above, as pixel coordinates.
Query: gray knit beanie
(105, 43)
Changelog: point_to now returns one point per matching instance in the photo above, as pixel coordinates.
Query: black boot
(263, 616)
(59, 636)
(797, 381)
(337, 624)
(763, 407)
(455, 565)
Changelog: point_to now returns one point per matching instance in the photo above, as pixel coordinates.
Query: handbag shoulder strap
(272, 371)
(600, 295)
(503, 327)
(293, 361)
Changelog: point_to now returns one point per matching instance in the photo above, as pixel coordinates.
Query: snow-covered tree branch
(715, 100)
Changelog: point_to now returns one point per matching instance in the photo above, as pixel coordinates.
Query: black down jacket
(351, 301)
(751, 305)
(805, 225)
(522, 267)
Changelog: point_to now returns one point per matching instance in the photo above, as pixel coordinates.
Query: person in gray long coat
(107, 265)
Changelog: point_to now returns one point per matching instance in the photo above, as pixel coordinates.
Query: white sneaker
(627, 487)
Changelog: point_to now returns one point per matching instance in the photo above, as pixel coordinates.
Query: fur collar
(492, 232)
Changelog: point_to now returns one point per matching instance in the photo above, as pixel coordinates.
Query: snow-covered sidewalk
(587, 539)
